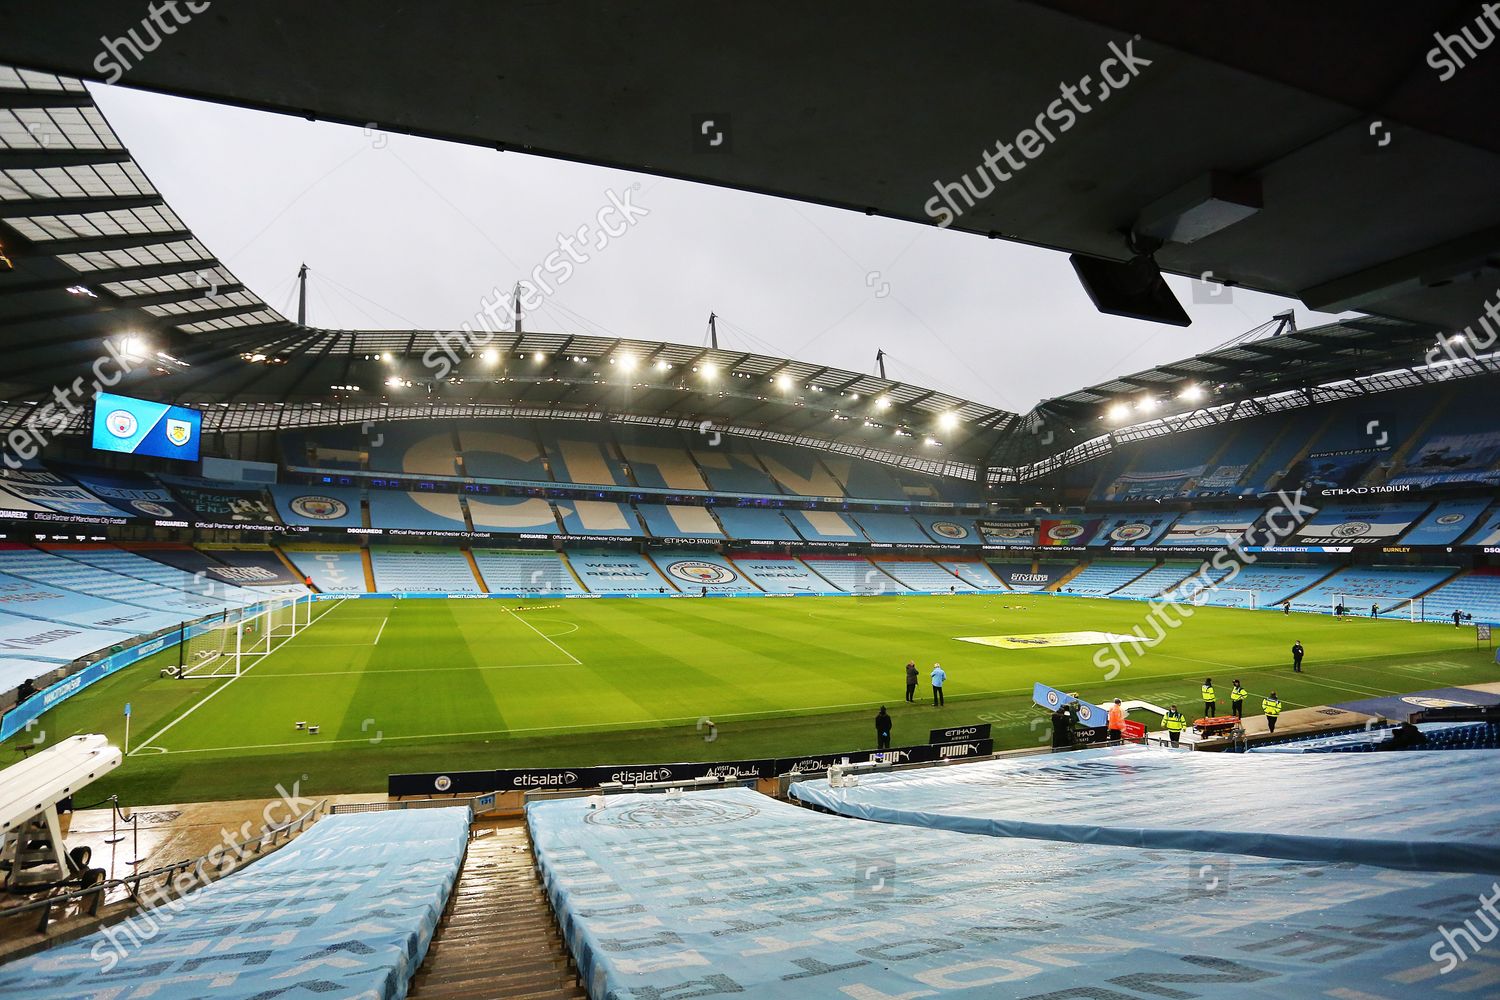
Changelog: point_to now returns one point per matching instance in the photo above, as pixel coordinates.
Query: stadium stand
(692, 572)
(1156, 581)
(332, 570)
(36, 599)
(599, 517)
(1222, 476)
(29, 647)
(54, 569)
(894, 528)
(1363, 586)
(651, 854)
(229, 504)
(1455, 829)
(862, 479)
(420, 448)
(1446, 523)
(783, 575)
(617, 573)
(1270, 585)
(416, 511)
(1166, 467)
(582, 453)
(1487, 533)
(256, 567)
(659, 459)
(1130, 530)
(502, 450)
(356, 899)
(318, 506)
(824, 526)
(1476, 593)
(1101, 578)
(798, 471)
(1434, 736)
(1462, 446)
(1208, 528)
(755, 524)
(525, 572)
(1022, 576)
(679, 521)
(735, 470)
(950, 530)
(1359, 524)
(513, 515)
(973, 572)
(923, 576)
(169, 577)
(401, 571)
(854, 576)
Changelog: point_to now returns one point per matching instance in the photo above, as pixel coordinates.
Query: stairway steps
(497, 938)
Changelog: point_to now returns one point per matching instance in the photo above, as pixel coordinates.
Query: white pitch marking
(224, 686)
(576, 661)
(380, 631)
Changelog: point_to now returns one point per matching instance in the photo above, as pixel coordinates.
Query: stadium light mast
(302, 295)
(880, 362)
(515, 305)
(713, 331)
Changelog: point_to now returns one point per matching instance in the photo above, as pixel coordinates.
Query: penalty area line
(223, 687)
(576, 661)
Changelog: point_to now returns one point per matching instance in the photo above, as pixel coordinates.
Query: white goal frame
(252, 631)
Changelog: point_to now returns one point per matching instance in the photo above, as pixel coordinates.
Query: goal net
(220, 645)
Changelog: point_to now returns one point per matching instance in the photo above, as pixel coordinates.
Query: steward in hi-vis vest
(1272, 707)
(1176, 722)
(1210, 703)
(1237, 699)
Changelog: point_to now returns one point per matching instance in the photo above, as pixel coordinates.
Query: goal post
(1227, 597)
(219, 645)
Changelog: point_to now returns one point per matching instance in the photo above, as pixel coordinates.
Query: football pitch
(439, 685)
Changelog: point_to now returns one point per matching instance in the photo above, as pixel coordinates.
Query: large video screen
(139, 427)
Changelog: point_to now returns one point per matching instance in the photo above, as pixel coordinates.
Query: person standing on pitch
(911, 680)
(1272, 707)
(938, 676)
(883, 729)
(1176, 722)
(1458, 618)
(1210, 703)
(1116, 727)
(1297, 652)
(1237, 699)
(1374, 611)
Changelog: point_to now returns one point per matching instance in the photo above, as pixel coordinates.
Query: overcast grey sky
(404, 233)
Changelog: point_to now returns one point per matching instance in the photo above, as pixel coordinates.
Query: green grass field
(427, 685)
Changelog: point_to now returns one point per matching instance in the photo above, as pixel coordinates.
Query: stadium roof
(1373, 153)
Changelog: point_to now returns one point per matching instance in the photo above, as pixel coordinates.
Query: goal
(219, 645)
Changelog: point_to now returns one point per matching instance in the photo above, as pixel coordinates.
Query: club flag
(1051, 698)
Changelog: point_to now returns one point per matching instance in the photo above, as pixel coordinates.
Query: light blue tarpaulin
(731, 894)
(346, 910)
(1436, 811)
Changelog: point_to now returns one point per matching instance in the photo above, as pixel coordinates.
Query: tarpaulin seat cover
(1433, 812)
(729, 893)
(346, 910)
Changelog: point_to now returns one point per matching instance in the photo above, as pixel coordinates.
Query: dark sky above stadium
(405, 233)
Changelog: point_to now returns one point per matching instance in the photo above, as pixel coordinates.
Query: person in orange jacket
(1116, 725)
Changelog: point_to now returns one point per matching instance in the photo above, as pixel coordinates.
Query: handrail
(224, 866)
